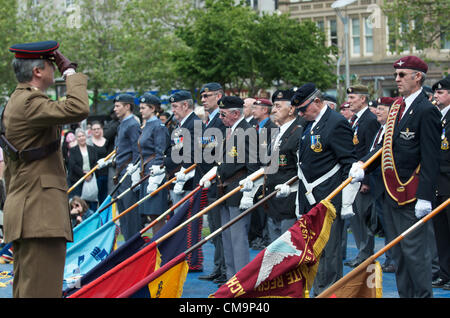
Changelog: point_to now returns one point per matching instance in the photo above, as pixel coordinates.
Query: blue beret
(231, 102)
(35, 50)
(210, 87)
(150, 99)
(303, 93)
(124, 98)
(180, 96)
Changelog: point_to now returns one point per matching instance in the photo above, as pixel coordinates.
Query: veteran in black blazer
(326, 153)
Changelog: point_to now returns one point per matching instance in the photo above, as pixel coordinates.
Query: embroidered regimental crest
(407, 135)
(282, 161)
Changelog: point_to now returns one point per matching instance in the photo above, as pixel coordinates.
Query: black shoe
(220, 280)
(388, 268)
(446, 286)
(438, 283)
(353, 263)
(211, 276)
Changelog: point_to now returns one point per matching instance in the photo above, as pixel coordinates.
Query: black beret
(303, 93)
(231, 102)
(35, 50)
(358, 89)
(124, 98)
(442, 84)
(373, 103)
(209, 87)
(330, 98)
(180, 96)
(150, 99)
(280, 94)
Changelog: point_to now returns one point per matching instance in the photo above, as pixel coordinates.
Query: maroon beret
(411, 62)
(263, 102)
(344, 105)
(386, 101)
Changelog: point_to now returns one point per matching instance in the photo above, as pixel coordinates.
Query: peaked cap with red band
(35, 50)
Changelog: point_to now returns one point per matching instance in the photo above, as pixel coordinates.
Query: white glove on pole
(131, 168)
(183, 177)
(204, 181)
(284, 190)
(154, 182)
(246, 201)
(348, 196)
(423, 207)
(247, 185)
(156, 170)
(356, 172)
(102, 163)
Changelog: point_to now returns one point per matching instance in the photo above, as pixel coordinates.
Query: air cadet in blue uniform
(127, 153)
(152, 144)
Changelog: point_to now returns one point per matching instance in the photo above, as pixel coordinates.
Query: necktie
(305, 133)
(375, 142)
(207, 121)
(353, 120)
(401, 110)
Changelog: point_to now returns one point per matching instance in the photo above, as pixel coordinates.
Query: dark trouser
(441, 222)
(364, 240)
(39, 267)
(412, 254)
(214, 222)
(130, 223)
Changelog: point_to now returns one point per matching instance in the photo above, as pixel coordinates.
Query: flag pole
(89, 173)
(173, 207)
(331, 290)
(207, 209)
(179, 258)
(165, 185)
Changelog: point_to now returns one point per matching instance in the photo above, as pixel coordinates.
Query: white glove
(131, 168)
(183, 177)
(135, 177)
(178, 188)
(356, 172)
(156, 170)
(102, 163)
(154, 182)
(348, 196)
(246, 201)
(423, 207)
(247, 185)
(284, 190)
(204, 181)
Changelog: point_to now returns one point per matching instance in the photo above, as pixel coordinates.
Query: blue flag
(92, 223)
(86, 254)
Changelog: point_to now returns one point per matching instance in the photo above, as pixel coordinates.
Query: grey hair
(79, 130)
(423, 78)
(190, 103)
(23, 68)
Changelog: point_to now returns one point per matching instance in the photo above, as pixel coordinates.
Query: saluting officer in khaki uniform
(36, 211)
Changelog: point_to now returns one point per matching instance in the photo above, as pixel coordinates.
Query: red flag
(287, 267)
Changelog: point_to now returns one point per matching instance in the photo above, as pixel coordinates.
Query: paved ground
(195, 288)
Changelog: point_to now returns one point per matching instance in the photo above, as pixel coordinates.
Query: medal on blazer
(444, 141)
(355, 136)
(282, 161)
(233, 152)
(316, 145)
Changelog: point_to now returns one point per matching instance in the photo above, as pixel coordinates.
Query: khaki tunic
(36, 204)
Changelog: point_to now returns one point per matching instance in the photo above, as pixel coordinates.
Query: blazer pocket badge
(407, 135)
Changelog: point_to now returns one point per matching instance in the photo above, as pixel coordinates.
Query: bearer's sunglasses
(402, 74)
(303, 108)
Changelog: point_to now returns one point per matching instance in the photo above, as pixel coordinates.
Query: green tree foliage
(233, 45)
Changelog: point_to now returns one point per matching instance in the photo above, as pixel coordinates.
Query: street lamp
(338, 6)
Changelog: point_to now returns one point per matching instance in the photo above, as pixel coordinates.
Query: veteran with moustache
(326, 153)
(410, 168)
(36, 211)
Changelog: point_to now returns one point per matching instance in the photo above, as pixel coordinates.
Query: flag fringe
(309, 272)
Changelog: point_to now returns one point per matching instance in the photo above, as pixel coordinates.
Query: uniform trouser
(330, 268)
(39, 267)
(214, 222)
(277, 227)
(441, 222)
(131, 222)
(365, 241)
(235, 240)
(412, 254)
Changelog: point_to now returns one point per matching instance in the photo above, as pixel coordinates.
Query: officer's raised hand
(63, 63)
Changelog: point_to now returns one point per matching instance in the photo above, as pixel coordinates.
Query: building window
(332, 32)
(69, 3)
(355, 37)
(368, 37)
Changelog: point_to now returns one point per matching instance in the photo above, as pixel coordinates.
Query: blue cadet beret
(442, 84)
(35, 50)
(124, 98)
(230, 102)
(303, 93)
(150, 99)
(180, 96)
(210, 87)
